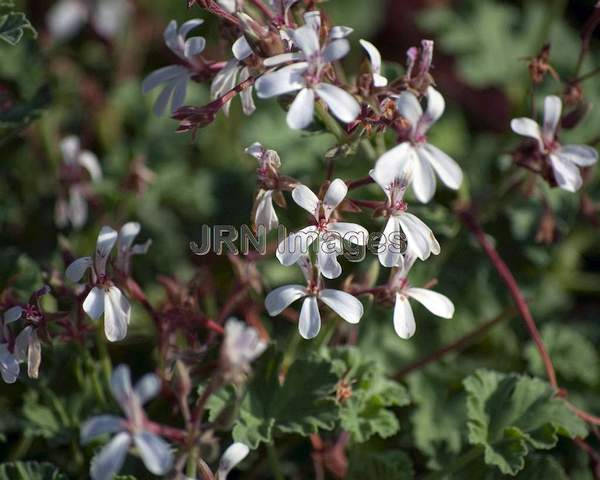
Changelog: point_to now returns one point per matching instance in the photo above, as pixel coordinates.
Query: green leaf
(30, 471)
(366, 411)
(537, 467)
(12, 27)
(383, 465)
(303, 404)
(511, 414)
(578, 357)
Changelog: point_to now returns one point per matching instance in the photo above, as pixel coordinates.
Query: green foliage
(511, 414)
(371, 465)
(367, 410)
(13, 24)
(302, 404)
(30, 471)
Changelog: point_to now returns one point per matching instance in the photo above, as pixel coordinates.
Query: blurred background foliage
(90, 87)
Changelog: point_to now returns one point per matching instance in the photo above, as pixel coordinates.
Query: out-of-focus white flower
(404, 319)
(175, 78)
(393, 173)
(126, 248)
(268, 169)
(345, 305)
(306, 74)
(75, 161)
(329, 233)
(104, 298)
(421, 157)
(67, 17)
(375, 57)
(565, 160)
(241, 346)
(234, 454)
(9, 363)
(155, 452)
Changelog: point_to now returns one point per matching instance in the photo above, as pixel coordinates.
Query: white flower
(564, 160)
(67, 17)
(375, 57)
(268, 167)
(424, 158)
(226, 79)
(404, 320)
(9, 363)
(155, 452)
(306, 74)
(175, 78)
(328, 232)
(392, 174)
(126, 248)
(75, 209)
(104, 297)
(28, 348)
(309, 324)
(241, 346)
(234, 454)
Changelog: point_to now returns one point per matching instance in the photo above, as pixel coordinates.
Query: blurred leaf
(509, 414)
(30, 471)
(12, 26)
(384, 465)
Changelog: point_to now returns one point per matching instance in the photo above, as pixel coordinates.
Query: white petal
(343, 105)
(77, 269)
(281, 298)
(22, 343)
(77, 209)
(69, 148)
(309, 323)
(34, 355)
(162, 75)
(127, 235)
(147, 388)
(265, 212)
(283, 58)
(374, 55)
(100, 425)
(395, 164)
(552, 113)
(301, 112)
(527, 128)
(351, 232)
(566, 173)
(234, 454)
(105, 243)
(155, 452)
(419, 237)
(120, 384)
(66, 18)
(423, 183)
(581, 155)
(327, 259)
(179, 93)
(305, 198)
(194, 46)
(291, 248)
(170, 36)
(188, 26)
(93, 304)
(409, 107)
(435, 109)
(404, 320)
(163, 98)
(285, 80)
(246, 97)
(241, 48)
(390, 248)
(312, 18)
(335, 195)
(117, 312)
(89, 161)
(335, 50)
(224, 79)
(109, 461)
(446, 168)
(9, 365)
(306, 39)
(12, 314)
(436, 303)
(345, 305)
(339, 31)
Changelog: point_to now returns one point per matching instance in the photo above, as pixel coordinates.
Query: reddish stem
(175, 434)
(360, 183)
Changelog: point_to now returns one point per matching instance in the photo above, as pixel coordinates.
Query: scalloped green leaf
(13, 26)
(509, 415)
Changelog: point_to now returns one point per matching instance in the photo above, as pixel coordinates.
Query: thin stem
(266, 11)
(361, 182)
(457, 345)
(330, 122)
(274, 462)
(585, 76)
(586, 37)
(509, 280)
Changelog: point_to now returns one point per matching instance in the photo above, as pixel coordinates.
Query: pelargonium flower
(241, 346)
(125, 247)
(375, 58)
(105, 297)
(9, 363)
(67, 17)
(307, 74)
(404, 319)
(424, 158)
(268, 167)
(135, 428)
(393, 175)
(227, 78)
(175, 78)
(75, 162)
(328, 232)
(345, 305)
(564, 160)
